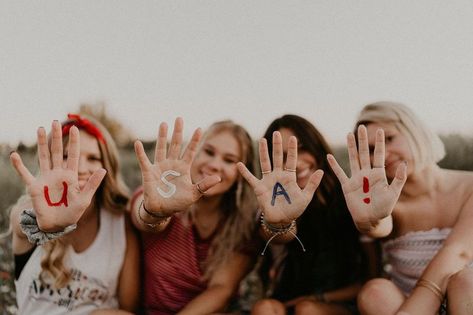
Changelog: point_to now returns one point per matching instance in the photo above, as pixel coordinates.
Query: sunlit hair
(112, 195)
(238, 203)
(309, 140)
(426, 146)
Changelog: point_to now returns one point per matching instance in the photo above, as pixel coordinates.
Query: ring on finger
(289, 169)
(200, 189)
(265, 172)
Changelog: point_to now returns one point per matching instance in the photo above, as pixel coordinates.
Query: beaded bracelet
(163, 220)
(275, 231)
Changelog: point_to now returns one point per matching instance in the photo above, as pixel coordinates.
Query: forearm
(449, 260)
(212, 300)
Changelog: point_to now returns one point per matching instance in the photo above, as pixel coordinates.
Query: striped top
(172, 267)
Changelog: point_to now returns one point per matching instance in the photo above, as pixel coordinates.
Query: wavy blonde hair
(112, 195)
(425, 145)
(238, 203)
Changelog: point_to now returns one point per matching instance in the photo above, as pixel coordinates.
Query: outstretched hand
(57, 198)
(279, 196)
(368, 195)
(167, 184)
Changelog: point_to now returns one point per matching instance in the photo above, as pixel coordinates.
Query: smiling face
(218, 156)
(306, 163)
(397, 148)
(90, 159)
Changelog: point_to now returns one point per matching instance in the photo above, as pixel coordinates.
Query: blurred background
(134, 64)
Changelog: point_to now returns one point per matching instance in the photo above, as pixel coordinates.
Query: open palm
(368, 195)
(279, 196)
(56, 196)
(167, 184)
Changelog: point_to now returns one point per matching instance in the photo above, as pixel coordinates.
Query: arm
(129, 281)
(369, 197)
(342, 294)
(221, 288)
(456, 253)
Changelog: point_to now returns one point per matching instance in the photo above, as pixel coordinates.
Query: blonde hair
(238, 203)
(426, 146)
(111, 195)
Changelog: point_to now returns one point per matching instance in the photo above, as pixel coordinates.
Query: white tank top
(94, 275)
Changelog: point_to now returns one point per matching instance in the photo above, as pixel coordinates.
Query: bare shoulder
(457, 178)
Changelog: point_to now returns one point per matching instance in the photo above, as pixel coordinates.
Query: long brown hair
(238, 203)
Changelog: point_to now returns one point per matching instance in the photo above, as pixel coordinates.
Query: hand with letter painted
(279, 196)
(368, 195)
(57, 197)
(167, 185)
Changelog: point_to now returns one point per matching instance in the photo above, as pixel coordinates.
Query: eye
(389, 139)
(94, 158)
(230, 160)
(209, 152)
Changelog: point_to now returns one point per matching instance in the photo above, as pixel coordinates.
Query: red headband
(84, 124)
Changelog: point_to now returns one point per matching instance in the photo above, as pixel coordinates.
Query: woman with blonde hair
(424, 216)
(197, 218)
(74, 251)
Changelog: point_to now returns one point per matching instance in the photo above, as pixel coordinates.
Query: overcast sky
(245, 60)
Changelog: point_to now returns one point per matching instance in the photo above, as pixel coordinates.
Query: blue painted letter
(279, 190)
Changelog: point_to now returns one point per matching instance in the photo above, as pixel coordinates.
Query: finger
(43, 151)
(264, 160)
(21, 169)
(191, 148)
(73, 149)
(291, 161)
(379, 150)
(176, 140)
(336, 168)
(353, 154)
(160, 151)
(57, 153)
(93, 183)
(399, 179)
(143, 161)
(207, 183)
(250, 178)
(363, 147)
(277, 151)
(314, 182)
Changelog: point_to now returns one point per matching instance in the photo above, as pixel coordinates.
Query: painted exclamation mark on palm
(366, 189)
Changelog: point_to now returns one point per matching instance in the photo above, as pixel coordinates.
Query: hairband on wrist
(29, 226)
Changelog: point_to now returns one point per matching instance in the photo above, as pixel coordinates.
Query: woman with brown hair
(73, 210)
(197, 216)
(325, 275)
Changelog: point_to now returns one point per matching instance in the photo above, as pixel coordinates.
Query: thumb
(94, 182)
(208, 182)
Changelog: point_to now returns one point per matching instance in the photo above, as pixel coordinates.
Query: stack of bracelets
(274, 231)
(162, 219)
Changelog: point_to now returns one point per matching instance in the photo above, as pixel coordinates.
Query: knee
(305, 307)
(462, 280)
(268, 306)
(375, 293)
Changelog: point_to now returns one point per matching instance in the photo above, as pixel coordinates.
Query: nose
(215, 164)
